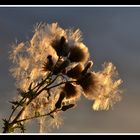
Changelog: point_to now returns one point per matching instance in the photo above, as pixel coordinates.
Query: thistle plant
(52, 71)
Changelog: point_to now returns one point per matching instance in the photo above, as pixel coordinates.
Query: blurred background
(111, 34)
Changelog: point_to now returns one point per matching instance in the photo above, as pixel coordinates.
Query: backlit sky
(111, 34)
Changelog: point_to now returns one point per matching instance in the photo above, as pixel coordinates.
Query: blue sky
(111, 34)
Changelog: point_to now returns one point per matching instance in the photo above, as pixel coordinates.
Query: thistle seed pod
(79, 53)
(49, 64)
(59, 102)
(59, 68)
(71, 91)
(61, 47)
(76, 71)
(88, 66)
(87, 82)
(66, 107)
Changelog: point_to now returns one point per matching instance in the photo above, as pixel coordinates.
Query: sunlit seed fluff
(108, 87)
(101, 104)
(75, 72)
(33, 105)
(55, 122)
(24, 63)
(44, 101)
(16, 50)
(54, 31)
(71, 91)
(29, 56)
(79, 53)
(104, 103)
(73, 36)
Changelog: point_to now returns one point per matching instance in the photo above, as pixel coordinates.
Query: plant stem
(45, 88)
(37, 116)
(37, 94)
(60, 84)
(15, 109)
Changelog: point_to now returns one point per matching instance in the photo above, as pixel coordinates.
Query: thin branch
(15, 109)
(40, 84)
(34, 117)
(45, 88)
(60, 84)
(18, 115)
